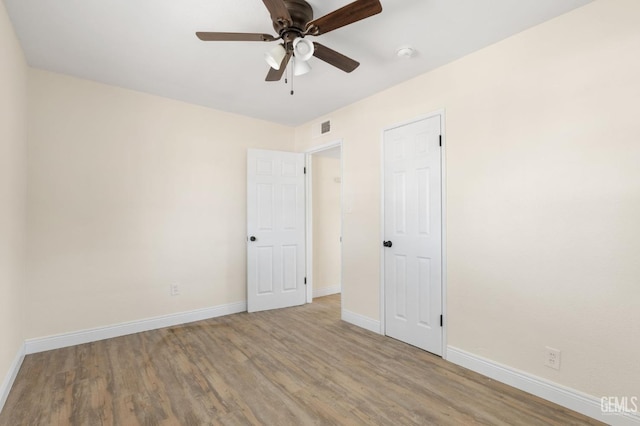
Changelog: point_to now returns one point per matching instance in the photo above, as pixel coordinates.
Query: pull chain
(286, 75)
(290, 67)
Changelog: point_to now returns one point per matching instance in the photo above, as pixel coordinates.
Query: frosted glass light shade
(300, 67)
(275, 56)
(303, 48)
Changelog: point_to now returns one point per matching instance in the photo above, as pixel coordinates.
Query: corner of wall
(13, 188)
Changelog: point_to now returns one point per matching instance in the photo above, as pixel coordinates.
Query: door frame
(443, 174)
(308, 158)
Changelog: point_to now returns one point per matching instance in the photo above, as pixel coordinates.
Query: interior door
(276, 230)
(413, 234)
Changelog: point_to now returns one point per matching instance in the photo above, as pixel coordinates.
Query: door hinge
(441, 321)
(305, 170)
(440, 140)
(305, 280)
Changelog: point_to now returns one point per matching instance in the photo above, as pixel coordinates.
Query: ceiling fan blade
(205, 36)
(278, 10)
(353, 12)
(334, 58)
(276, 75)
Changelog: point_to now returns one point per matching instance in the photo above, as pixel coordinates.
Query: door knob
(252, 238)
(387, 243)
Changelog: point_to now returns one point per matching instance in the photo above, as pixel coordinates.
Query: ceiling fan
(293, 21)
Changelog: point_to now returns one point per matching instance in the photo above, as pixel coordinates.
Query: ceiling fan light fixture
(293, 20)
(300, 67)
(303, 48)
(275, 56)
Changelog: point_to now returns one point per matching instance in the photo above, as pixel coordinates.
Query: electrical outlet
(175, 289)
(552, 358)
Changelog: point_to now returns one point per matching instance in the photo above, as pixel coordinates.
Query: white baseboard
(361, 321)
(42, 344)
(326, 291)
(7, 383)
(558, 394)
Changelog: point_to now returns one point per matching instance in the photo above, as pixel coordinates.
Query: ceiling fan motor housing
(301, 13)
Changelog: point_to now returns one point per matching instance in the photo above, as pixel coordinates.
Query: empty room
(417, 212)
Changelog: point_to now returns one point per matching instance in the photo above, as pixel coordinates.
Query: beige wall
(326, 222)
(543, 196)
(13, 142)
(129, 193)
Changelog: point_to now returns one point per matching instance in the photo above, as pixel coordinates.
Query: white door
(413, 234)
(276, 230)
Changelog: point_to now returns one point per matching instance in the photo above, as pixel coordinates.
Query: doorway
(324, 220)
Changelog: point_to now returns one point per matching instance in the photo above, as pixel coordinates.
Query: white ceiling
(150, 46)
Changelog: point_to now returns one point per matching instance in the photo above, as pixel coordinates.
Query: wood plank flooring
(295, 366)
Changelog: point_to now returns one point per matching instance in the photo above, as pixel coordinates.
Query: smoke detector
(406, 52)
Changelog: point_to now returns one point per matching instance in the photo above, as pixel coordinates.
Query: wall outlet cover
(175, 289)
(552, 358)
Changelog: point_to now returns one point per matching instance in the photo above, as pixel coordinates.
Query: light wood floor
(294, 366)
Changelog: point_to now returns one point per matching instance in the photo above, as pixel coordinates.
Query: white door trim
(309, 210)
(441, 113)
